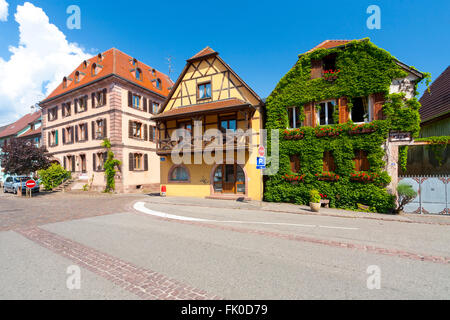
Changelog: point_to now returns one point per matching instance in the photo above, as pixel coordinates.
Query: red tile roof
(30, 133)
(204, 52)
(328, 44)
(118, 63)
(436, 102)
(20, 124)
(203, 107)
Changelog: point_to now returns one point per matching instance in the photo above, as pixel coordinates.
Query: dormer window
(77, 77)
(94, 69)
(329, 62)
(99, 57)
(134, 62)
(153, 72)
(158, 84)
(85, 64)
(139, 74)
(64, 83)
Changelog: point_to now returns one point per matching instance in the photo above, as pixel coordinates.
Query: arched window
(77, 76)
(94, 69)
(158, 84)
(64, 82)
(179, 174)
(99, 57)
(138, 74)
(134, 62)
(84, 64)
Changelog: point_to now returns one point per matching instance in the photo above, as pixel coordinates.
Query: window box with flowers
(325, 201)
(294, 178)
(363, 176)
(328, 132)
(296, 134)
(331, 75)
(327, 176)
(362, 129)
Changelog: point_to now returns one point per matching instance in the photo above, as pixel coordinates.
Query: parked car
(12, 184)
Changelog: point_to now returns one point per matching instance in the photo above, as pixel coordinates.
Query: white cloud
(3, 10)
(37, 65)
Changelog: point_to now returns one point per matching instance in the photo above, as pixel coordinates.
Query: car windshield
(23, 179)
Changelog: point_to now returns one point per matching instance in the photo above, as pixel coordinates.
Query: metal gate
(433, 194)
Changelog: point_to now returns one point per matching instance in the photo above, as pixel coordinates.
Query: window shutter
(104, 128)
(64, 135)
(130, 162)
(343, 110)
(48, 114)
(65, 166)
(49, 137)
(316, 69)
(63, 109)
(76, 133)
(295, 163)
(130, 99)
(73, 163)
(361, 161)
(150, 133)
(93, 100)
(104, 97)
(94, 160)
(75, 106)
(378, 101)
(56, 114)
(86, 101)
(328, 162)
(150, 106)
(145, 132)
(130, 129)
(309, 115)
(56, 137)
(145, 162)
(72, 134)
(93, 130)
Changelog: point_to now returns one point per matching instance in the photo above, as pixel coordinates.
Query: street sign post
(260, 163)
(261, 151)
(30, 184)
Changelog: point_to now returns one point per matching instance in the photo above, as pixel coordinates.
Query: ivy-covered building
(343, 111)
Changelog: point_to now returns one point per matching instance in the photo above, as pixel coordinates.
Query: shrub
(406, 194)
(53, 176)
(315, 196)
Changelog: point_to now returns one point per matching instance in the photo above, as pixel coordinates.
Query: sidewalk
(297, 209)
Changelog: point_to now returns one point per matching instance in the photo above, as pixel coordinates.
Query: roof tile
(20, 124)
(437, 101)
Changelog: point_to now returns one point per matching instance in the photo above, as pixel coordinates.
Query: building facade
(110, 96)
(28, 127)
(343, 111)
(209, 104)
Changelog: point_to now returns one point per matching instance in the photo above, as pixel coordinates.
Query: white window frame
(333, 103)
(370, 110)
(294, 117)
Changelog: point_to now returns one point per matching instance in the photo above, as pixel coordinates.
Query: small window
(85, 64)
(228, 124)
(139, 74)
(328, 162)
(361, 161)
(152, 133)
(66, 109)
(204, 91)
(138, 161)
(294, 117)
(153, 72)
(329, 62)
(325, 113)
(158, 84)
(53, 114)
(136, 130)
(360, 110)
(83, 132)
(295, 163)
(136, 101)
(81, 104)
(155, 107)
(77, 77)
(134, 62)
(100, 133)
(94, 69)
(64, 84)
(99, 57)
(179, 174)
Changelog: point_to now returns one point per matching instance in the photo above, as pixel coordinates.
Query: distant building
(27, 127)
(111, 95)
(435, 117)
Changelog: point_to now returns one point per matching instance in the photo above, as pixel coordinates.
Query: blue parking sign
(260, 163)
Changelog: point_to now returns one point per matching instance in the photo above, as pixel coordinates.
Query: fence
(433, 194)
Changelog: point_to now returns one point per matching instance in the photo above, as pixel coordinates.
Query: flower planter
(315, 207)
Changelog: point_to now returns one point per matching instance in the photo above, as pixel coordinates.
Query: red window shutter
(309, 115)
(343, 110)
(130, 99)
(378, 103)
(316, 69)
(361, 161)
(131, 162)
(48, 114)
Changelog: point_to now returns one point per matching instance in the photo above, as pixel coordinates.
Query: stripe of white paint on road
(140, 206)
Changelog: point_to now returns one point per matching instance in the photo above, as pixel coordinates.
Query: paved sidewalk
(298, 209)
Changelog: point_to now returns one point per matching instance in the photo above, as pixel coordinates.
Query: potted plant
(315, 198)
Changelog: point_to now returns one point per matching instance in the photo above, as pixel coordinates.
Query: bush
(315, 196)
(406, 194)
(53, 176)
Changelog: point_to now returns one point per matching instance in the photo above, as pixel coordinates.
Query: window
(83, 132)
(77, 77)
(295, 163)
(228, 123)
(68, 135)
(99, 99)
(136, 130)
(85, 64)
(328, 162)
(204, 90)
(158, 84)
(99, 57)
(99, 161)
(136, 101)
(134, 62)
(138, 161)
(94, 70)
(179, 174)
(360, 110)
(152, 133)
(99, 127)
(329, 62)
(81, 104)
(53, 114)
(293, 116)
(325, 112)
(64, 83)
(53, 138)
(361, 161)
(139, 74)
(69, 163)
(155, 107)
(66, 109)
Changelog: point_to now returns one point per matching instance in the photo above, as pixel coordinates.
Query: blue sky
(259, 39)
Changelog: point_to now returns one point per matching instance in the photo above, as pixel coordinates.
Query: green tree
(111, 165)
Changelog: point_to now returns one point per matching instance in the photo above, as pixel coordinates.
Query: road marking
(140, 206)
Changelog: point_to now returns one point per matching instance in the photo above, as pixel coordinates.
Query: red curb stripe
(144, 283)
(330, 243)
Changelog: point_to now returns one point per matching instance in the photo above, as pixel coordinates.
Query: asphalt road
(211, 251)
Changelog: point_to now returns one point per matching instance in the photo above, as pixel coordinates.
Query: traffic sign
(261, 151)
(30, 184)
(260, 163)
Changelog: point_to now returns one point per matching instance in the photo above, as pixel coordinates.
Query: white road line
(140, 206)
